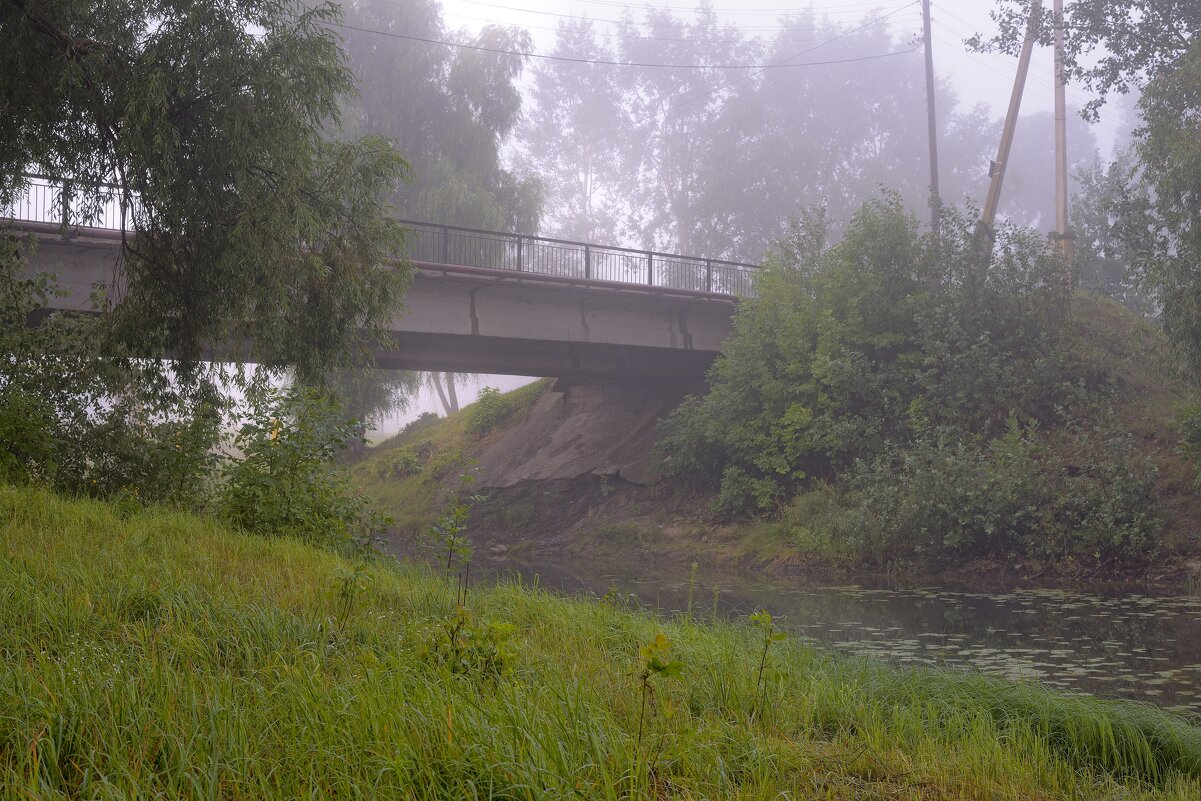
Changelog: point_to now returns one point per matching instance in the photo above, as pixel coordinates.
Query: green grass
(162, 656)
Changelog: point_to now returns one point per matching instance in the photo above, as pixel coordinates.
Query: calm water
(1132, 646)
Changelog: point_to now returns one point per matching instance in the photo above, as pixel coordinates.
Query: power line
(1043, 81)
(771, 32)
(607, 63)
(967, 26)
(732, 11)
(672, 24)
(748, 76)
(996, 70)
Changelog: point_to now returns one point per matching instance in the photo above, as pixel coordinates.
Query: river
(1127, 645)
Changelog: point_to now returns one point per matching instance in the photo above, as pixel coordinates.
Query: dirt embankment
(569, 473)
(576, 475)
(575, 430)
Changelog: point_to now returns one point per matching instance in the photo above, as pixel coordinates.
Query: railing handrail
(575, 243)
(729, 283)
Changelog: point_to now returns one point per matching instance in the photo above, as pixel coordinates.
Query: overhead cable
(607, 63)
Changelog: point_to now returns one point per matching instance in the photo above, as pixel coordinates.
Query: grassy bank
(1136, 520)
(404, 475)
(160, 655)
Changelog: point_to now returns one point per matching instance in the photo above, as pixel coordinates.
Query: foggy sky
(977, 78)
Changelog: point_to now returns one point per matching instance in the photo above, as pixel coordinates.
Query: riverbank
(569, 471)
(621, 523)
(161, 654)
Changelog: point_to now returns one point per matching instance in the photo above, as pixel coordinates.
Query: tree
(444, 384)
(74, 418)
(251, 226)
(677, 125)
(1152, 46)
(569, 140)
(1112, 218)
(714, 161)
(1112, 46)
(1169, 145)
(451, 110)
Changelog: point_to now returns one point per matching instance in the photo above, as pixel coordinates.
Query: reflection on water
(1132, 646)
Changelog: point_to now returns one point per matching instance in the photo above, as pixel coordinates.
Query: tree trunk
(441, 394)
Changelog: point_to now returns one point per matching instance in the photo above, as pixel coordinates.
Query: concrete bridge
(489, 302)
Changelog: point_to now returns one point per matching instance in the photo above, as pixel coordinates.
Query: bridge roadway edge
(465, 319)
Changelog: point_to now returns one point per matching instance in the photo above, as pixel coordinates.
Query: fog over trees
(696, 157)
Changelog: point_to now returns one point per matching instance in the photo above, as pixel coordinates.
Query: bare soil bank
(569, 474)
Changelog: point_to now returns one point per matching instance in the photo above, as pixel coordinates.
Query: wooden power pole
(932, 133)
(1063, 236)
(997, 169)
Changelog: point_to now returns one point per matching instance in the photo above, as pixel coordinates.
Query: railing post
(64, 199)
(708, 275)
(519, 253)
(587, 261)
(445, 245)
(650, 268)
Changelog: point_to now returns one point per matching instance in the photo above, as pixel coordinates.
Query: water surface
(1129, 645)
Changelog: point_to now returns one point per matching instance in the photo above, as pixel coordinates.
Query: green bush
(286, 483)
(494, 409)
(490, 410)
(28, 452)
(421, 422)
(399, 463)
(1081, 493)
(1188, 431)
(896, 370)
(90, 422)
(444, 462)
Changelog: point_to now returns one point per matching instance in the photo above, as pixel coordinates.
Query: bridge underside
(593, 361)
(475, 320)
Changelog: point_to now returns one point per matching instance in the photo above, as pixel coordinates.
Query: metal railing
(62, 205)
(539, 255)
(51, 203)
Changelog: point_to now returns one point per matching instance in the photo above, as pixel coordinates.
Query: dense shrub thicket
(84, 420)
(77, 418)
(943, 406)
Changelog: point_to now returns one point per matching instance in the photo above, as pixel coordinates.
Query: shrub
(946, 405)
(444, 462)
(90, 422)
(28, 453)
(421, 422)
(494, 409)
(286, 483)
(490, 410)
(399, 463)
(869, 342)
(1188, 430)
(1080, 493)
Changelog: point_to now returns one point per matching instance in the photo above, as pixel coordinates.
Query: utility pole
(932, 132)
(1063, 236)
(996, 170)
